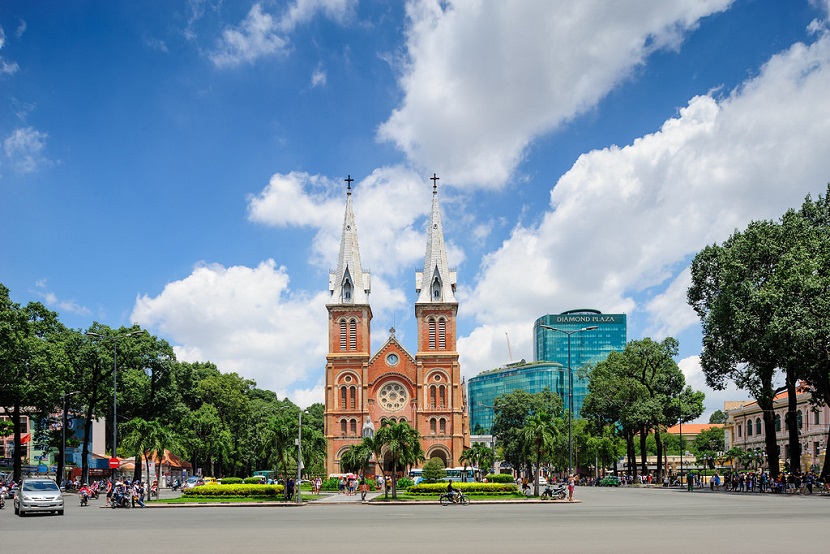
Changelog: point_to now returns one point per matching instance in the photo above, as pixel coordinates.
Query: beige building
(744, 427)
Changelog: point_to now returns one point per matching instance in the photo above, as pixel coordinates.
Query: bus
(453, 474)
(265, 475)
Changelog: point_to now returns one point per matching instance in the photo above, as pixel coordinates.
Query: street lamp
(299, 456)
(570, 390)
(114, 339)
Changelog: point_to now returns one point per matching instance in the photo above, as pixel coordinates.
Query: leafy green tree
(32, 363)
(717, 417)
(511, 412)
(434, 470)
(735, 293)
(711, 439)
(482, 456)
(403, 445)
(539, 436)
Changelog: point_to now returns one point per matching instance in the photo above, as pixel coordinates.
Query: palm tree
(483, 456)
(539, 437)
(403, 444)
(356, 458)
(467, 458)
(283, 431)
(159, 440)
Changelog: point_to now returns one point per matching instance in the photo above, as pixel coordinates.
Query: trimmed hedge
(232, 480)
(255, 491)
(500, 478)
(252, 480)
(466, 488)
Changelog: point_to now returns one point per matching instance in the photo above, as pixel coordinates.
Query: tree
(539, 436)
(482, 456)
(403, 445)
(717, 417)
(32, 363)
(711, 439)
(734, 294)
(434, 471)
(511, 412)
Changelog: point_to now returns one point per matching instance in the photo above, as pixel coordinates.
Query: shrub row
(467, 488)
(500, 478)
(232, 480)
(236, 490)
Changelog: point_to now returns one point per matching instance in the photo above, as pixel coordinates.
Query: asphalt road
(607, 520)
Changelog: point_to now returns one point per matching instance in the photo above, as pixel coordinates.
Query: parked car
(609, 481)
(38, 495)
(190, 482)
(210, 481)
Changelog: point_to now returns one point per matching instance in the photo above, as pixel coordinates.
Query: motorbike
(121, 500)
(154, 491)
(84, 496)
(551, 492)
(176, 485)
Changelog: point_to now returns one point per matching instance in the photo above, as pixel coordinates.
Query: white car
(38, 495)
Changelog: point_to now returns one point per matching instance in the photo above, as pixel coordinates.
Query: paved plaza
(607, 520)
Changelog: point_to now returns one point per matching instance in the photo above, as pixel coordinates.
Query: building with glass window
(483, 389)
(576, 341)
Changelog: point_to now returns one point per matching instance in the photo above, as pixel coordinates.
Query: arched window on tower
(442, 426)
(432, 397)
(431, 334)
(343, 404)
(436, 289)
(352, 397)
(353, 427)
(347, 291)
(343, 427)
(432, 426)
(342, 334)
(442, 334)
(442, 397)
(353, 334)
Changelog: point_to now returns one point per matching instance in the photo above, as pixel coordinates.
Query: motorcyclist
(453, 493)
(84, 493)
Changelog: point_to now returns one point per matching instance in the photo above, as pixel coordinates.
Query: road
(618, 520)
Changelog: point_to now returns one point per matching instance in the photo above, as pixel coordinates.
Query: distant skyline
(181, 166)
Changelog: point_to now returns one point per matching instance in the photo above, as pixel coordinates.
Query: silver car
(38, 495)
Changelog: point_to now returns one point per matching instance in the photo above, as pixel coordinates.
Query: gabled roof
(391, 341)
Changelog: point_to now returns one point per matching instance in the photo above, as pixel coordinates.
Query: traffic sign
(114, 463)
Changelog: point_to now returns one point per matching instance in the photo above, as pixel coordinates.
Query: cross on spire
(348, 182)
(434, 180)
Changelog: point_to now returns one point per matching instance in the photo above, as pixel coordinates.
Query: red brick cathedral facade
(365, 389)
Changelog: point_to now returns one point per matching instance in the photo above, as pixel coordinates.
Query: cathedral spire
(436, 283)
(349, 284)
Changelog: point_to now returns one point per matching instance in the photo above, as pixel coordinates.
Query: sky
(180, 164)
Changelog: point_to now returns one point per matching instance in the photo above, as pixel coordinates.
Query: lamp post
(299, 456)
(570, 390)
(114, 339)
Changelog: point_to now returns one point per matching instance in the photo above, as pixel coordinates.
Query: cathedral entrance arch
(440, 452)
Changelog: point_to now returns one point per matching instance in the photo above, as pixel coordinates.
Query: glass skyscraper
(483, 389)
(587, 347)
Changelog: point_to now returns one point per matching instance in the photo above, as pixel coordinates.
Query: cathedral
(364, 389)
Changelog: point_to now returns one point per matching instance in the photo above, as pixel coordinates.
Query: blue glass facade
(483, 389)
(587, 347)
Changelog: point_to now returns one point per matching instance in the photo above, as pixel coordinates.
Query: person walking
(571, 485)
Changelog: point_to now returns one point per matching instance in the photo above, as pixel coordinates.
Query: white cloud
(302, 11)
(253, 38)
(669, 313)
(318, 78)
(260, 35)
(483, 79)
(6, 68)
(246, 320)
(52, 301)
(24, 148)
(714, 400)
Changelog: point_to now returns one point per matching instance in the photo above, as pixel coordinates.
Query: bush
(434, 470)
(252, 480)
(405, 483)
(500, 478)
(253, 491)
(331, 484)
(231, 480)
(435, 489)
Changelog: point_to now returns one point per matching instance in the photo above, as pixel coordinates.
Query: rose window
(392, 397)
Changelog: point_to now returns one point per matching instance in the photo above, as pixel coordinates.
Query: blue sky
(180, 164)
